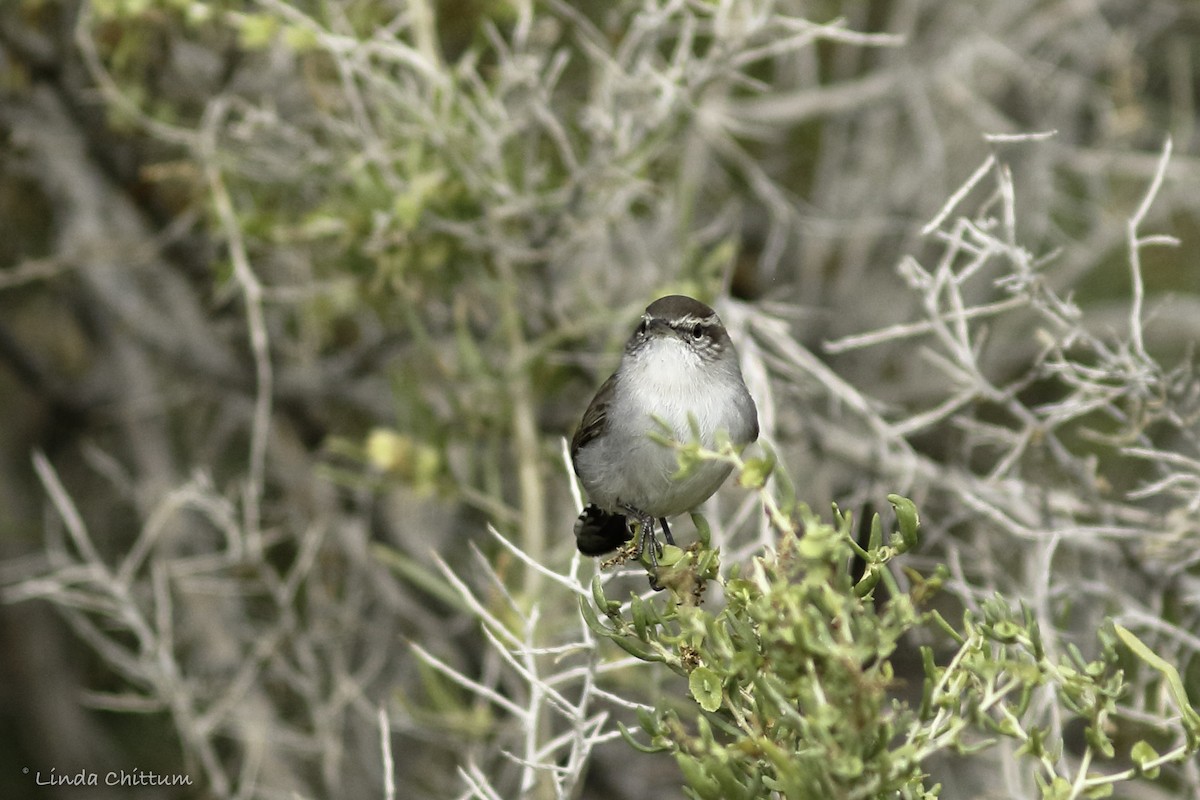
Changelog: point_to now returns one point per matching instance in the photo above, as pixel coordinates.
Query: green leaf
(705, 686)
(703, 530)
(642, 622)
(670, 555)
(868, 582)
(628, 736)
(589, 616)
(636, 648)
(876, 539)
(1099, 741)
(906, 516)
(1188, 715)
(609, 607)
(697, 777)
(756, 471)
(1059, 789)
(946, 627)
(1141, 754)
(1034, 745)
(816, 545)
(708, 566)
(1006, 631)
(925, 711)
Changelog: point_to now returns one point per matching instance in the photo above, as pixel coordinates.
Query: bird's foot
(645, 524)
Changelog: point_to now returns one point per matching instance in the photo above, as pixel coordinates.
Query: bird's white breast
(667, 383)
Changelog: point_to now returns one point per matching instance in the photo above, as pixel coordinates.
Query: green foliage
(795, 690)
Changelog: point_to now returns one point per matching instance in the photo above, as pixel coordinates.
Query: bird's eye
(697, 331)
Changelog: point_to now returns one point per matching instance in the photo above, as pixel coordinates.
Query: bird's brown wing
(594, 419)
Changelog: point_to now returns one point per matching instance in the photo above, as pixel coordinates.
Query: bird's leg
(646, 528)
(666, 531)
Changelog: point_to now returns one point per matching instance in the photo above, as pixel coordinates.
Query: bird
(678, 377)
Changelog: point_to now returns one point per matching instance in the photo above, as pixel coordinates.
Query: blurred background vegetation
(295, 296)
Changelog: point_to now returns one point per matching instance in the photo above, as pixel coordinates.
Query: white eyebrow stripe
(708, 321)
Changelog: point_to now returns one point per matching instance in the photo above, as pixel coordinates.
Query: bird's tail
(598, 531)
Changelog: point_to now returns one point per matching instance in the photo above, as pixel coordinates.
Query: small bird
(679, 369)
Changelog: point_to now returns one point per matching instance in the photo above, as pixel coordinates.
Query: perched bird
(679, 370)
